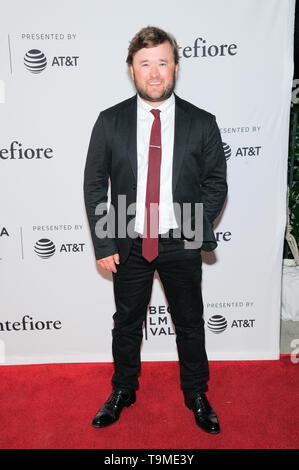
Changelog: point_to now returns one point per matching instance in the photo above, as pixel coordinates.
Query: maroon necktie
(150, 241)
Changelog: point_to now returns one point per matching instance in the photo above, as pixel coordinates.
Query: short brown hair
(151, 37)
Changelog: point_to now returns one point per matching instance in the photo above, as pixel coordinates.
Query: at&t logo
(218, 324)
(35, 61)
(45, 248)
(227, 150)
(252, 151)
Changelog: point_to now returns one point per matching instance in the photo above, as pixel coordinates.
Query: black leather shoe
(110, 411)
(205, 417)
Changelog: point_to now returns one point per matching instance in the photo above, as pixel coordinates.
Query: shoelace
(116, 396)
(202, 403)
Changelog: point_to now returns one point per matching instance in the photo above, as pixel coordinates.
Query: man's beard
(164, 95)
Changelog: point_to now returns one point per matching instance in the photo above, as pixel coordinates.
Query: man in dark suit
(162, 155)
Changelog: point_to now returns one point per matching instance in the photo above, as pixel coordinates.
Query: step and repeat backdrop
(236, 61)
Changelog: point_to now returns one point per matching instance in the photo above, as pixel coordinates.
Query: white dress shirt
(144, 125)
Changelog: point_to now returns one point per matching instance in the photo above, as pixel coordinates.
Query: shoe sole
(209, 432)
(215, 431)
(205, 430)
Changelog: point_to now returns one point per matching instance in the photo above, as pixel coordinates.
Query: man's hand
(109, 263)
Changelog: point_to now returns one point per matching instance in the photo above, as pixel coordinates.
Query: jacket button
(134, 187)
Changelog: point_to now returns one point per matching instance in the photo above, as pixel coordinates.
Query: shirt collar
(145, 108)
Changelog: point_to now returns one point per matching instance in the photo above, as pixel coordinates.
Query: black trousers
(179, 270)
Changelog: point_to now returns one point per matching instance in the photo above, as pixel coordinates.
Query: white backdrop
(59, 308)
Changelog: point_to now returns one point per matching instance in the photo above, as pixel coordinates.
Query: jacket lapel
(181, 133)
(130, 131)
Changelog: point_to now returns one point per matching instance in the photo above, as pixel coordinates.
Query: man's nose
(154, 71)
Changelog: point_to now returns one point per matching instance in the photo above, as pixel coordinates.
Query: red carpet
(51, 406)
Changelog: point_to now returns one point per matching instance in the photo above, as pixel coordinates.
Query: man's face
(154, 73)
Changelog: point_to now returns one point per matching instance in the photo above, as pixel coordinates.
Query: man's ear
(131, 70)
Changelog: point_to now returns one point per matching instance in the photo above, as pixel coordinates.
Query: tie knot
(156, 113)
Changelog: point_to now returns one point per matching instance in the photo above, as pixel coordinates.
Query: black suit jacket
(199, 170)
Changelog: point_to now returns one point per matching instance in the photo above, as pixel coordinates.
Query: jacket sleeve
(96, 181)
(214, 185)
